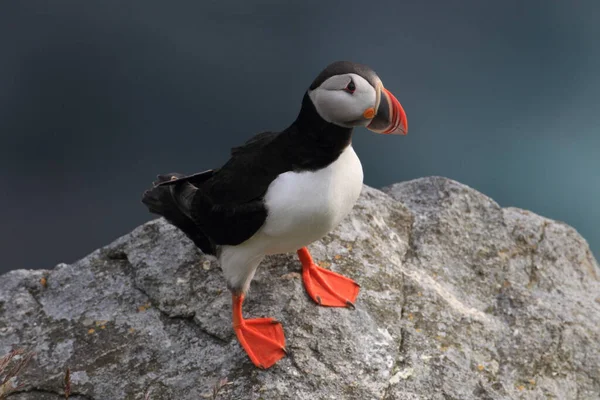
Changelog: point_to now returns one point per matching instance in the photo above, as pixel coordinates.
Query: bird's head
(350, 95)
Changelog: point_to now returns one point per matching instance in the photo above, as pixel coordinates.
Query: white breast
(305, 206)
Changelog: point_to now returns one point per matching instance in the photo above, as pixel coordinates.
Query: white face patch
(338, 106)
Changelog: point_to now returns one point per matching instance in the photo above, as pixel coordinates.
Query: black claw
(349, 304)
(261, 366)
(275, 322)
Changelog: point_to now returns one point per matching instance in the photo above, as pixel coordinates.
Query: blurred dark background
(97, 97)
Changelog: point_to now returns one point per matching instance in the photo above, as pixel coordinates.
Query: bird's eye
(351, 87)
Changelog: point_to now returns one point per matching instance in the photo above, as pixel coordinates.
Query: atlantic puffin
(281, 191)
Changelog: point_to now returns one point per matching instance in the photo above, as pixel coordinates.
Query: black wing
(228, 207)
(257, 141)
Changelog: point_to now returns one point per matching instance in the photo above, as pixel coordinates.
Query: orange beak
(390, 118)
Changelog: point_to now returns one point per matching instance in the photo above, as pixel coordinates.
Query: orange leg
(326, 287)
(262, 338)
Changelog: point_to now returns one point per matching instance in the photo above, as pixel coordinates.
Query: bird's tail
(173, 202)
(159, 199)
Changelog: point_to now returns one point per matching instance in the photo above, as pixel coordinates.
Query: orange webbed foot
(262, 338)
(326, 287)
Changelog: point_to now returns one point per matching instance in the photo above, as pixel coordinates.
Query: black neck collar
(312, 125)
(316, 142)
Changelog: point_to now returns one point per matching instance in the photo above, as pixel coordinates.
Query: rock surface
(460, 299)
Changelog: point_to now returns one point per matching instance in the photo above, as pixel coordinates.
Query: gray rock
(460, 299)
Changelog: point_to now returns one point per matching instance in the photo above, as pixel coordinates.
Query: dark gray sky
(97, 97)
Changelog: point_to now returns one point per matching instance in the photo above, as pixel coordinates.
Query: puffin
(280, 192)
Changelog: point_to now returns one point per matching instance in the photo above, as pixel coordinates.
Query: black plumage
(226, 206)
(344, 67)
